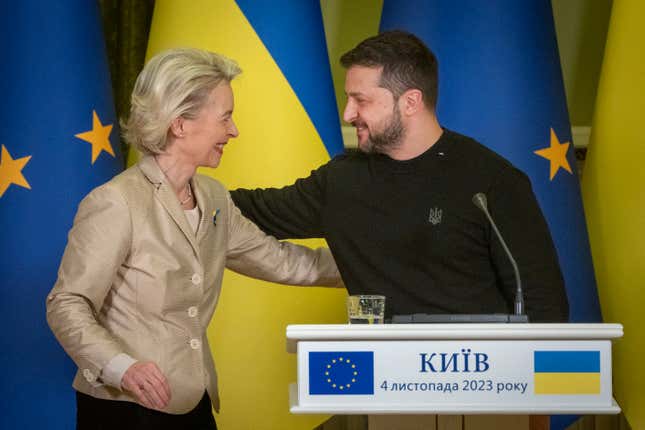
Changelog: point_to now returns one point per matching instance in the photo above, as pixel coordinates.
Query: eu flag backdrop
(500, 82)
(288, 122)
(58, 141)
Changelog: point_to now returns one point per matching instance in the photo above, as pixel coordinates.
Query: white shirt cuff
(113, 372)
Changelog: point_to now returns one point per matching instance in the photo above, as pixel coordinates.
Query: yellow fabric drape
(614, 197)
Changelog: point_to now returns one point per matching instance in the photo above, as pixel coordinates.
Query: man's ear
(411, 101)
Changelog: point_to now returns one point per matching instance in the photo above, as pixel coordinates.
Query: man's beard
(388, 139)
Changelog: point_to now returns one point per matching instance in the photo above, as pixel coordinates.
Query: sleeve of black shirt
(517, 213)
(289, 212)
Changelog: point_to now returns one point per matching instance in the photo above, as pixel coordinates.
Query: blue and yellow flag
(566, 372)
(288, 121)
(500, 82)
(59, 140)
(612, 186)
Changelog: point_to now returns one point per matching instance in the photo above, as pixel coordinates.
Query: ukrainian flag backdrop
(612, 187)
(286, 113)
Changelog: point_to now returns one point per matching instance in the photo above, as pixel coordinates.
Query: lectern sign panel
(443, 376)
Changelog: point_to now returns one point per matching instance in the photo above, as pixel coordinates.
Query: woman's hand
(148, 384)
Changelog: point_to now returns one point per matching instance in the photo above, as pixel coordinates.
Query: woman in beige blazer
(142, 270)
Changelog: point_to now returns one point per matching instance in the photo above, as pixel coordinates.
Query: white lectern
(453, 368)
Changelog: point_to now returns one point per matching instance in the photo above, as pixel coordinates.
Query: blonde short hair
(175, 83)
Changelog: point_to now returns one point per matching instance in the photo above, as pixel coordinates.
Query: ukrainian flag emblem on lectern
(566, 372)
(341, 372)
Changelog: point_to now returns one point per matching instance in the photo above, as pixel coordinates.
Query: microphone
(479, 199)
(518, 316)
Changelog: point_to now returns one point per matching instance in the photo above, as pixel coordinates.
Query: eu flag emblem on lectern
(341, 372)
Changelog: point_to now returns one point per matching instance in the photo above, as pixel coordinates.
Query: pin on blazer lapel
(205, 206)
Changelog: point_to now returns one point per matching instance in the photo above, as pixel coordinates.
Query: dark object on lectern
(458, 318)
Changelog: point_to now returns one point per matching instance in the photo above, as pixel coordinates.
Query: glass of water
(366, 309)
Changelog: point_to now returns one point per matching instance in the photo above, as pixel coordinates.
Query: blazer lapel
(166, 196)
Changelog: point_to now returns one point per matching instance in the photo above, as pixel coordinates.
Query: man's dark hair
(407, 63)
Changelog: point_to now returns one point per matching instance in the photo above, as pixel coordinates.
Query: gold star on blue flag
(11, 171)
(98, 137)
(556, 153)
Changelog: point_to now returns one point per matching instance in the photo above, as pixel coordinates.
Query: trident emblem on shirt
(435, 216)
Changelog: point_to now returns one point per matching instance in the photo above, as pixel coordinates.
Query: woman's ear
(177, 127)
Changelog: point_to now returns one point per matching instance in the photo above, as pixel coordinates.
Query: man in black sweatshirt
(398, 214)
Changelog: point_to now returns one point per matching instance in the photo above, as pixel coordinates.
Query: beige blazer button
(192, 311)
(89, 375)
(196, 279)
(195, 343)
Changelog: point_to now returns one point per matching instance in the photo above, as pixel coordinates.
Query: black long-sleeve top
(409, 230)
